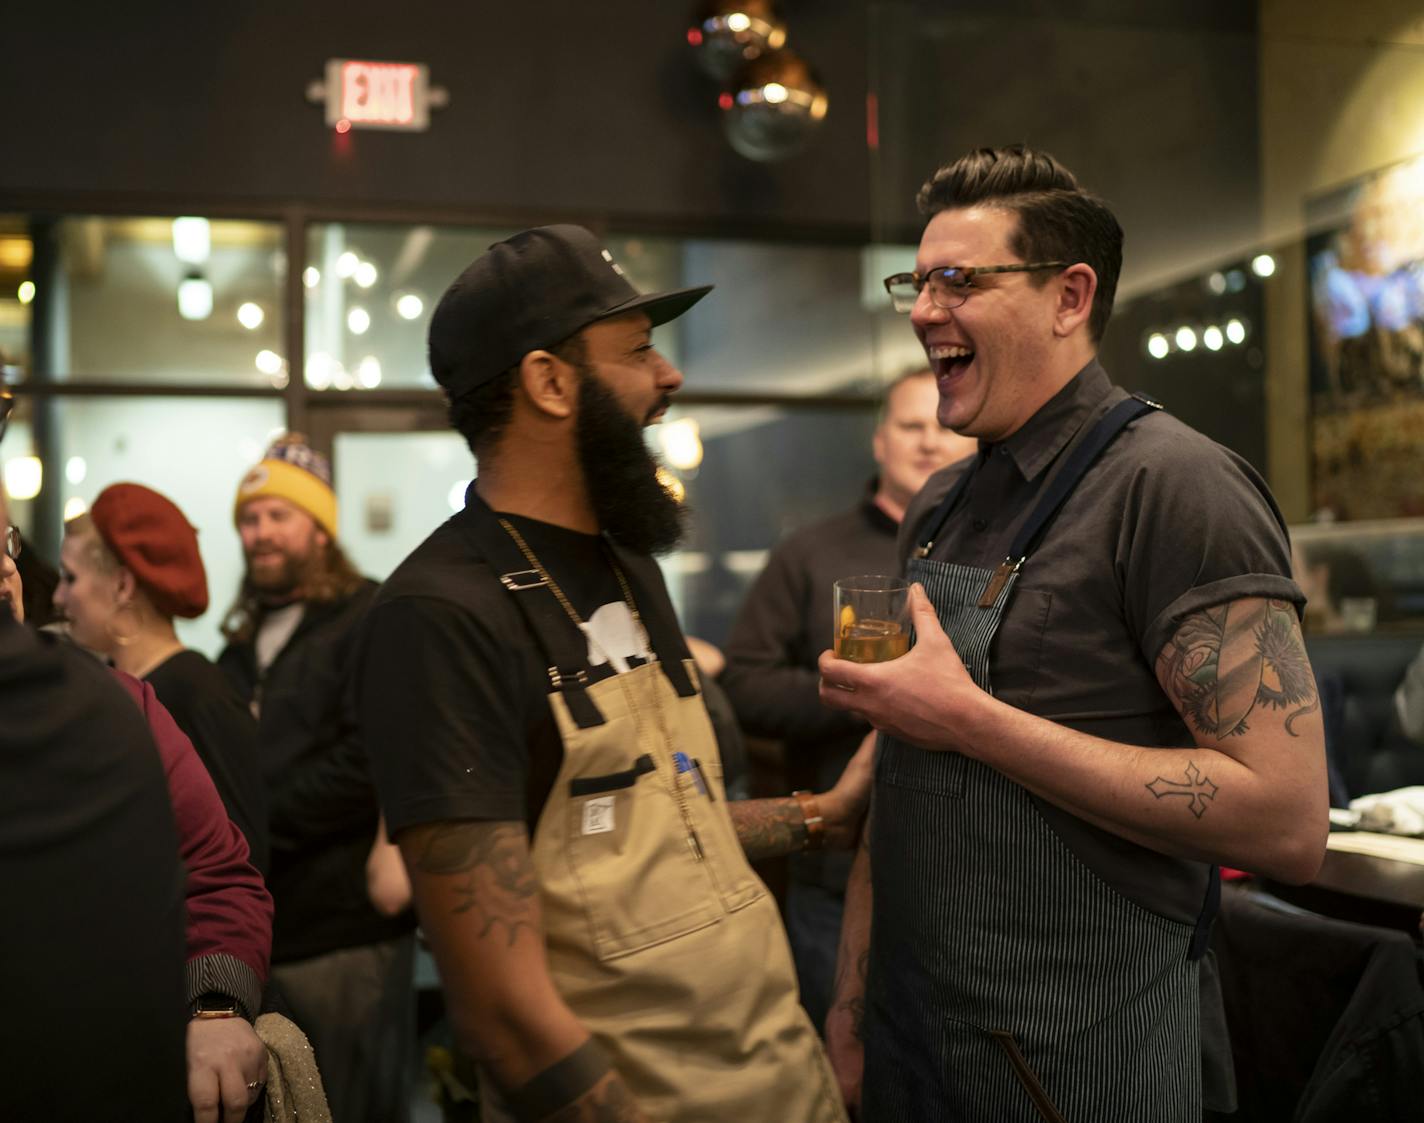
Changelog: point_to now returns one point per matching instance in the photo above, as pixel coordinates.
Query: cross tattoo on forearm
(1198, 789)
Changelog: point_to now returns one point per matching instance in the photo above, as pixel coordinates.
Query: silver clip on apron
(1007, 982)
(660, 937)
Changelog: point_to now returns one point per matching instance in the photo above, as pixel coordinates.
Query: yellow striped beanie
(292, 470)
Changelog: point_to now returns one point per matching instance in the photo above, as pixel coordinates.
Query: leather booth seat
(1358, 675)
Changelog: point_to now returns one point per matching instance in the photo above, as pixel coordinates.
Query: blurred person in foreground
(118, 858)
(128, 567)
(1108, 697)
(545, 759)
(787, 621)
(343, 967)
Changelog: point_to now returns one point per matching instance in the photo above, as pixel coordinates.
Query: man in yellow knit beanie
(294, 471)
(341, 967)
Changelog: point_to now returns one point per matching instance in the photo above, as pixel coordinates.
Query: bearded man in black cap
(543, 755)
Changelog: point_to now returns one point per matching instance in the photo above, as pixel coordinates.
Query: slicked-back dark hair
(1058, 220)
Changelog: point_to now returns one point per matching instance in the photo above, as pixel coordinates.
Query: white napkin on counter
(1398, 812)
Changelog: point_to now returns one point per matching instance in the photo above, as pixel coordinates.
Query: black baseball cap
(533, 291)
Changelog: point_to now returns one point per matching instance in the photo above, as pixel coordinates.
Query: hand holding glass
(872, 618)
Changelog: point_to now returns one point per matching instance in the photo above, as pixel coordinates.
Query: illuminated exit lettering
(376, 95)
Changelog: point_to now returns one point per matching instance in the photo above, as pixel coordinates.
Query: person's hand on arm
(769, 828)
(1251, 794)
(478, 900)
(227, 1066)
(844, 1040)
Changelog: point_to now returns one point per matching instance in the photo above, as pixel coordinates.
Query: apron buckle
(998, 579)
(513, 582)
(567, 680)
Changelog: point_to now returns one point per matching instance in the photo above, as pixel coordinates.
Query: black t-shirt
(224, 733)
(94, 929)
(454, 690)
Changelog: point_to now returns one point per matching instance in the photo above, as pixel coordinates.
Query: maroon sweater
(229, 927)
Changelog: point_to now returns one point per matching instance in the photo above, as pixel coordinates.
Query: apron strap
(564, 647)
(663, 636)
(936, 519)
(1089, 449)
(1082, 458)
(1211, 905)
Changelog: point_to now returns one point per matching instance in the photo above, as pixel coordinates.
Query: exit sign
(377, 95)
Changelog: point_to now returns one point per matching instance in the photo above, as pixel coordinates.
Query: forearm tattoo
(848, 990)
(768, 828)
(494, 871)
(611, 1102)
(854, 1003)
(1226, 662)
(1198, 789)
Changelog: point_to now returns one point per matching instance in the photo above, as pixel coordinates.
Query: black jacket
(322, 810)
(1326, 1016)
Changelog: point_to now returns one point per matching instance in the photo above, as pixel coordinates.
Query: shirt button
(1003, 450)
(978, 524)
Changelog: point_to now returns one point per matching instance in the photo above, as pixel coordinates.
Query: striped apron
(1007, 981)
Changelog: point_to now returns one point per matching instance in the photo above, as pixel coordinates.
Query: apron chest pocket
(905, 766)
(613, 781)
(636, 876)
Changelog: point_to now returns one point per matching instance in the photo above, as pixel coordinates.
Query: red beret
(152, 539)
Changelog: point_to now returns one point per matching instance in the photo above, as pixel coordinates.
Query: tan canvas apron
(661, 938)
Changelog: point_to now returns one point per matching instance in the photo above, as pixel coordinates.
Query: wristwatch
(214, 1005)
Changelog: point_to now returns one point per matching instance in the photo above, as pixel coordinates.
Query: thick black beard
(629, 502)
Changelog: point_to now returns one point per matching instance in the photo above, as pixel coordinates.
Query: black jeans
(357, 1008)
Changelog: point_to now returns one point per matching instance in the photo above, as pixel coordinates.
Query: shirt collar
(1043, 436)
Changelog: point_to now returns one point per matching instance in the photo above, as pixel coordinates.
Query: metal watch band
(215, 1005)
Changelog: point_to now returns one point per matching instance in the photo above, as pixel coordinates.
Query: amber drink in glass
(872, 622)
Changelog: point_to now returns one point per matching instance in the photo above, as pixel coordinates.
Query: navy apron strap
(936, 519)
(564, 646)
(1211, 905)
(663, 636)
(1079, 461)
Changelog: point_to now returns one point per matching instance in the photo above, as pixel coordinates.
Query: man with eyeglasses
(1108, 697)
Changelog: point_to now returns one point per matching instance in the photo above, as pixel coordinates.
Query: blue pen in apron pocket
(687, 764)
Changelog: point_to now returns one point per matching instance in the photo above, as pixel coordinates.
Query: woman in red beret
(127, 568)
